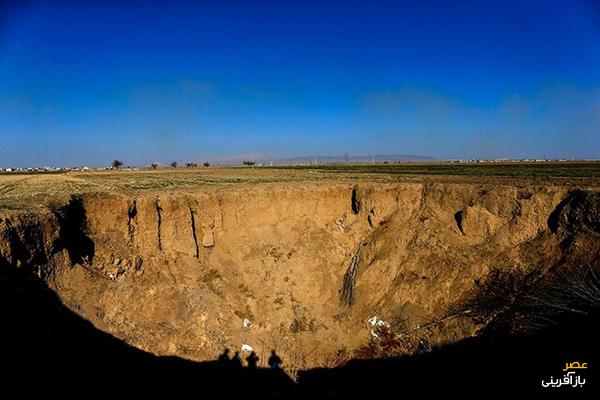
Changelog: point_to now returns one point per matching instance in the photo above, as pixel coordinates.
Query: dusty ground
(174, 261)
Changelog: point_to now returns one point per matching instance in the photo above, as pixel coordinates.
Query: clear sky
(87, 82)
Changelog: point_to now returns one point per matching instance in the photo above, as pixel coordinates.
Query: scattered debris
(424, 346)
(247, 348)
(376, 323)
(341, 222)
(246, 323)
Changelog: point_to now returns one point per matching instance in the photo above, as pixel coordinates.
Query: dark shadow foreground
(477, 366)
(47, 349)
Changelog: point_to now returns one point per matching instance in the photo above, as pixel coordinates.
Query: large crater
(302, 269)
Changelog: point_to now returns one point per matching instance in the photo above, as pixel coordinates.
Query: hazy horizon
(83, 84)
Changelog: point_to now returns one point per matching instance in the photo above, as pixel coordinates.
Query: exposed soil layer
(299, 268)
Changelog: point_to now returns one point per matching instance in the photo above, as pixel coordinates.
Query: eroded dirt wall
(179, 273)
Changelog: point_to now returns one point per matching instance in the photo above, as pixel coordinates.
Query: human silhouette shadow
(274, 360)
(224, 357)
(252, 360)
(47, 349)
(236, 360)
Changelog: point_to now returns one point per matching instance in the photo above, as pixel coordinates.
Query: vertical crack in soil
(159, 221)
(355, 201)
(193, 219)
(131, 214)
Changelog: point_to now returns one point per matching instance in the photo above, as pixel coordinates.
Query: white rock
(247, 348)
(374, 321)
(246, 323)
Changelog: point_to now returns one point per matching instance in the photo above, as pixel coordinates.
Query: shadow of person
(48, 335)
(252, 360)
(236, 360)
(224, 357)
(274, 360)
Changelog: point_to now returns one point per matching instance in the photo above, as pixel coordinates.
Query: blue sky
(87, 82)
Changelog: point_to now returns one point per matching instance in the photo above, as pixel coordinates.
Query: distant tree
(249, 163)
(116, 164)
(154, 165)
(174, 164)
(207, 164)
(191, 164)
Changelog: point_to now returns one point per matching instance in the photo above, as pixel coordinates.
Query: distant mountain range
(318, 159)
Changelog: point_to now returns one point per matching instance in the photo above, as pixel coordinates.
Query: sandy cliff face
(305, 265)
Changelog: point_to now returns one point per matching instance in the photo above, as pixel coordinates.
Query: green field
(517, 170)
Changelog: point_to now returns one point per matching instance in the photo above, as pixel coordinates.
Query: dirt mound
(579, 211)
(315, 271)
